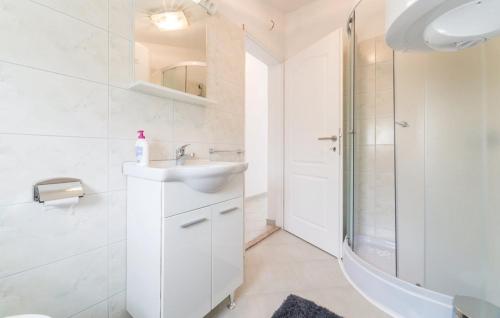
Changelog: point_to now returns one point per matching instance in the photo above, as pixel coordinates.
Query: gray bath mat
(297, 307)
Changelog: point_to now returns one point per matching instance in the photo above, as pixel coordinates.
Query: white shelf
(162, 91)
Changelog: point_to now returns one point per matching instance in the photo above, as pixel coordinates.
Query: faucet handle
(182, 149)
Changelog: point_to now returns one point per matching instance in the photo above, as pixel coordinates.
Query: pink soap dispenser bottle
(142, 150)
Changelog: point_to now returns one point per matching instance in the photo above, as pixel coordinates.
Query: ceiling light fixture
(170, 20)
(208, 5)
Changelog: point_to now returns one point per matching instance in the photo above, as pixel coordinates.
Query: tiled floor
(283, 264)
(256, 217)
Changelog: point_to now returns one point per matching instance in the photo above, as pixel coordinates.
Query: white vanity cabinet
(184, 247)
(227, 248)
(187, 258)
(203, 258)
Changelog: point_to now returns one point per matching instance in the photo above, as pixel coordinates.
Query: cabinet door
(187, 265)
(227, 249)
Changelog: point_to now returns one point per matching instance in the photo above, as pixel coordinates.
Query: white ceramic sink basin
(204, 176)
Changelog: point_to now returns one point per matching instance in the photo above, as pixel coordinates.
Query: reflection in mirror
(170, 44)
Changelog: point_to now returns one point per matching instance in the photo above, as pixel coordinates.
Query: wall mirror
(170, 43)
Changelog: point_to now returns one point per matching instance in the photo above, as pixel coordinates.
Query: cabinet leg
(232, 303)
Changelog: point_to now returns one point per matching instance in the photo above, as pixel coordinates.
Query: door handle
(332, 138)
(188, 224)
(228, 211)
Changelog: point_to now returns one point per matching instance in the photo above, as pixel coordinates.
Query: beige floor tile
(284, 264)
(256, 217)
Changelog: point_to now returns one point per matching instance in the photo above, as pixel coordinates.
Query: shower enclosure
(189, 77)
(423, 162)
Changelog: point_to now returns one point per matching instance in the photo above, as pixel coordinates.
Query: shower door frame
(351, 35)
(351, 133)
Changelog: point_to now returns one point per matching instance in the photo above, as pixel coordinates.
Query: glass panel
(196, 80)
(175, 78)
(448, 161)
(374, 186)
(454, 188)
(410, 160)
(448, 216)
(492, 139)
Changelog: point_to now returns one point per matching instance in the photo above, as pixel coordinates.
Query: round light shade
(444, 25)
(170, 20)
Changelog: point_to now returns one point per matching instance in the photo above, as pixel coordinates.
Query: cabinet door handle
(332, 138)
(403, 124)
(228, 211)
(188, 224)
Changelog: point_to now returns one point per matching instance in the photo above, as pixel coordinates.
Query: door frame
(276, 159)
(341, 142)
(276, 142)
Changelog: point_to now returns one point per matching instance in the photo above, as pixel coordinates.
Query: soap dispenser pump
(142, 150)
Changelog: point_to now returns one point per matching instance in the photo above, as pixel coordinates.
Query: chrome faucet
(180, 153)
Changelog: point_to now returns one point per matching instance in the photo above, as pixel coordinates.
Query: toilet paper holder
(57, 189)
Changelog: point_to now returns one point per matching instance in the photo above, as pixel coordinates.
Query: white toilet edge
(28, 316)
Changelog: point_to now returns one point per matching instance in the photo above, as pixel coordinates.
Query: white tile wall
(365, 104)
(65, 112)
(116, 306)
(383, 52)
(117, 212)
(384, 75)
(117, 268)
(120, 61)
(58, 289)
(37, 36)
(119, 21)
(77, 107)
(126, 110)
(31, 236)
(384, 101)
(91, 11)
(97, 311)
(192, 123)
(203, 125)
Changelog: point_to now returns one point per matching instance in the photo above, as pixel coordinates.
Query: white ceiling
(194, 36)
(287, 5)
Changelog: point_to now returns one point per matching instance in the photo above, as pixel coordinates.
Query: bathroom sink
(203, 176)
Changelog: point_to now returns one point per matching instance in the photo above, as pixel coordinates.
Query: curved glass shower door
(424, 160)
(374, 202)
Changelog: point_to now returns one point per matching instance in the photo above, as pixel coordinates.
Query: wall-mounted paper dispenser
(59, 189)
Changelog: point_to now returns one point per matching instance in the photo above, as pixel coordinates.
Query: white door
(313, 106)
